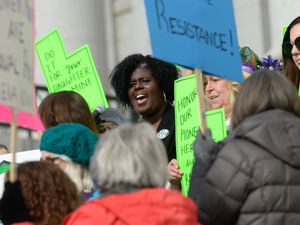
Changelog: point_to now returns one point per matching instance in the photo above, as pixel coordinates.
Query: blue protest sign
(196, 34)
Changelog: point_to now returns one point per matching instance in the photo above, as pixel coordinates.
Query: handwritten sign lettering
(16, 55)
(187, 122)
(208, 2)
(76, 72)
(210, 38)
(196, 34)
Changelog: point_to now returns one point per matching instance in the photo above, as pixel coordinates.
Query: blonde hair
(77, 173)
(233, 88)
(80, 176)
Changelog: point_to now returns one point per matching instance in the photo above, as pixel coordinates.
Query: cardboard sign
(216, 122)
(196, 34)
(16, 56)
(75, 72)
(187, 123)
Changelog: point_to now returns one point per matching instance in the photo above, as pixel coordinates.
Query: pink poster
(25, 119)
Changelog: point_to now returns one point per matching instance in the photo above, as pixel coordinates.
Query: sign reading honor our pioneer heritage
(187, 122)
(16, 55)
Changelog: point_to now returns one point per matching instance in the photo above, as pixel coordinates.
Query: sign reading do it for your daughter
(196, 34)
(76, 72)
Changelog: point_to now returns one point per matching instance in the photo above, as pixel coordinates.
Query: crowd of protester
(99, 168)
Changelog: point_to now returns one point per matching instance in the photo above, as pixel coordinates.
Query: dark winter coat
(255, 178)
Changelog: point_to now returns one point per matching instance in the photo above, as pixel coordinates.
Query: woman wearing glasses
(291, 52)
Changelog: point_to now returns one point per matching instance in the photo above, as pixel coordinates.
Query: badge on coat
(162, 134)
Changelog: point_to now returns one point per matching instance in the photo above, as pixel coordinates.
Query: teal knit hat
(73, 140)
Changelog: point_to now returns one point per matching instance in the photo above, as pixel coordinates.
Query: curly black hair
(164, 73)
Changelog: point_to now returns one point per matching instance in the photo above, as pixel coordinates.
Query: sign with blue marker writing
(76, 72)
(187, 123)
(196, 34)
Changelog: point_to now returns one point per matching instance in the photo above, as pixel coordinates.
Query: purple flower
(270, 63)
(248, 68)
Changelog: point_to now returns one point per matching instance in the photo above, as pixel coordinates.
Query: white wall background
(116, 28)
(259, 24)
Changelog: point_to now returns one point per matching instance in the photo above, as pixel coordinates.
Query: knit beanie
(73, 140)
(109, 114)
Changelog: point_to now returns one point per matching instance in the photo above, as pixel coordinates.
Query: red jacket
(148, 207)
(23, 223)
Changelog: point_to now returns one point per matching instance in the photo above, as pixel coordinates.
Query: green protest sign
(187, 122)
(283, 31)
(75, 72)
(215, 120)
(4, 167)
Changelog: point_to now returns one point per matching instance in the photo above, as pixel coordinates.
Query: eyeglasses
(102, 129)
(50, 159)
(288, 46)
(105, 126)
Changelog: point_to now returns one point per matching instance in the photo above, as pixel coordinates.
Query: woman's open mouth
(140, 99)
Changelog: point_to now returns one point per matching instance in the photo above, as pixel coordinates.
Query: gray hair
(129, 157)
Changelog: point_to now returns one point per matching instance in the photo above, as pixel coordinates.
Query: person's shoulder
(170, 107)
(89, 213)
(233, 149)
(169, 113)
(170, 198)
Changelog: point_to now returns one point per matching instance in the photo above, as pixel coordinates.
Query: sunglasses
(288, 46)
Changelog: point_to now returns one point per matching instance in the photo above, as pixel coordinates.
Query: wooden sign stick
(200, 93)
(13, 141)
